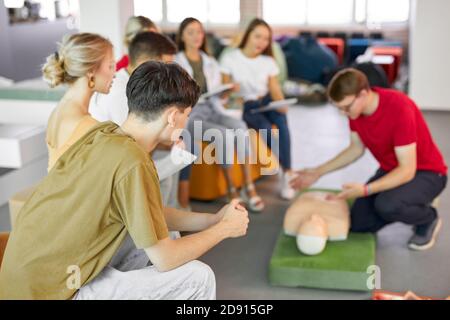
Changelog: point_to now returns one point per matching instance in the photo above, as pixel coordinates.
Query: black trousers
(409, 203)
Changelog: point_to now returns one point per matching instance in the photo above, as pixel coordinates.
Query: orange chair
(335, 44)
(207, 181)
(396, 52)
(3, 241)
(387, 62)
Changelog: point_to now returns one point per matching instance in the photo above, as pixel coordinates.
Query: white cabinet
(21, 144)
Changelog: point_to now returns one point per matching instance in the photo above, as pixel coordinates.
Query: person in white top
(211, 116)
(253, 67)
(113, 107)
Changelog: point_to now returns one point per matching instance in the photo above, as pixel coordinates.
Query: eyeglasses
(347, 107)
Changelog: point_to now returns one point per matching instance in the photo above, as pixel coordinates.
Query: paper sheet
(275, 105)
(216, 91)
(175, 161)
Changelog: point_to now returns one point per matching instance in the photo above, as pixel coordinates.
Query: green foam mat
(341, 266)
(31, 94)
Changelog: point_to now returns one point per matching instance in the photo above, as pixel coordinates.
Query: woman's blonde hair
(77, 55)
(135, 25)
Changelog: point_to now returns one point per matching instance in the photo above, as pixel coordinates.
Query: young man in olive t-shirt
(106, 187)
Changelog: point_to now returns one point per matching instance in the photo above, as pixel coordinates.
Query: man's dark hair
(155, 85)
(150, 45)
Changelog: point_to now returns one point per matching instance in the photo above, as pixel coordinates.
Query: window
(66, 8)
(379, 11)
(152, 9)
(224, 11)
(211, 11)
(330, 11)
(20, 11)
(177, 10)
(284, 11)
(335, 11)
(47, 9)
(360, 11)
(14, 4)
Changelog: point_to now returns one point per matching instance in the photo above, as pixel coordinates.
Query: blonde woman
(135, 25)
(85, 63)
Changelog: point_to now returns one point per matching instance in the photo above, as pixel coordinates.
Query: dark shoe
(425, 235)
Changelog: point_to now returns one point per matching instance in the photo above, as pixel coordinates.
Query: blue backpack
(307, 59)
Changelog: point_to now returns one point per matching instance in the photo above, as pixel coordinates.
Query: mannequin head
(312, 235)
(314, 218)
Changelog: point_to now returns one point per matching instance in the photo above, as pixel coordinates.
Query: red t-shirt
(122, 63)
(398, 122)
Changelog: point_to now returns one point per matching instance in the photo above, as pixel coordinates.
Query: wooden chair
(208, 182)
(3, 241)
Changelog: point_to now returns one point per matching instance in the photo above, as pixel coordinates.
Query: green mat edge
(31, 94)
(331, 280)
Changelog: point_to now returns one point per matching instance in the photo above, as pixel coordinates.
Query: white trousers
(130, 277)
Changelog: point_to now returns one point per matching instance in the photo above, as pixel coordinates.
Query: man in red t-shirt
(412, 170)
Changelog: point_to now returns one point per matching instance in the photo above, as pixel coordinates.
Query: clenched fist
(235, 220)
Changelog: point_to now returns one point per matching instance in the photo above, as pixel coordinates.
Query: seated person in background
(113, 107)
(412, 170)
(85, 62)
(211, 114)
(144, 47)
(105, 187)
(135, 25)
(315, 218)
(254, 69)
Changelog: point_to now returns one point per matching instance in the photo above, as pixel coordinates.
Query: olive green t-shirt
(103, 187)
(198, 74)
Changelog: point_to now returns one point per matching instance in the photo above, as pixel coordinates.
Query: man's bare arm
(178, 220)
(169, 254)
(404, 173)
(349, 155)
(307, 177)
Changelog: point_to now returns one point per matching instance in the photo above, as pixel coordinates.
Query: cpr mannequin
(313, 218)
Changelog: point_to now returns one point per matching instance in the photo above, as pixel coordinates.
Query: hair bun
(53, 70)
(77, 55)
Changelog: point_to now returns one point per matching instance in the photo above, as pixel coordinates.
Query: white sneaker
(287, 193)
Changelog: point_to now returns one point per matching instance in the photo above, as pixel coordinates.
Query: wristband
(367, 191)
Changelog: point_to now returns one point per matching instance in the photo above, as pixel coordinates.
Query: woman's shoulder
(230, 53)
(180, 56)
(182, 60)
(208, 59)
